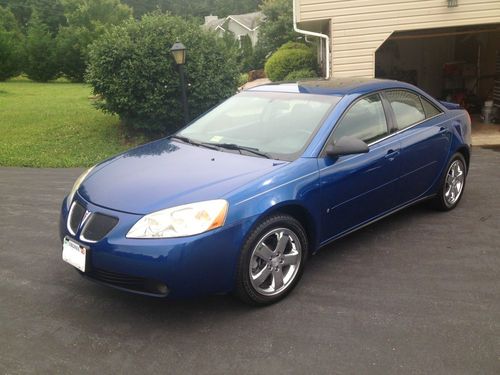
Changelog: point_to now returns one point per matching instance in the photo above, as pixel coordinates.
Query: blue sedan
(240, 198)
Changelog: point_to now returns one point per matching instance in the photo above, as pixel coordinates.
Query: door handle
(391, 154)
(443, 129)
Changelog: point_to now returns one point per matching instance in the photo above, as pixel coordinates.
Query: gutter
(311, 33)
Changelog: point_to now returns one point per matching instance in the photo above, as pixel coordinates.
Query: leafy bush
(295, 45)
(132, 69)
(300, 74)
(289, 58)
(41, 62)
(10, 45)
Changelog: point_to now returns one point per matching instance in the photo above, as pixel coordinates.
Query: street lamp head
(178, 51)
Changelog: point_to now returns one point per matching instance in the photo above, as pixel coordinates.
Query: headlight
(180, 221)
(76, 185)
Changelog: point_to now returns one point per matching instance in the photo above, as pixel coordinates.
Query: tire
(447, 199)
(271, 261)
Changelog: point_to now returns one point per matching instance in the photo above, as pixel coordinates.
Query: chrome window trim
(382, 139)
(382, 96)
(407, 128)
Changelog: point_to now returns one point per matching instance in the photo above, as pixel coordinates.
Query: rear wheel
(452, 185)
(272, 260)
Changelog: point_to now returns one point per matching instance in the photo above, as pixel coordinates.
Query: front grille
(97, 226)
(75, 217)
(133, 283)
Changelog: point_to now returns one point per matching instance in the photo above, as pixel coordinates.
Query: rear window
(407, 108)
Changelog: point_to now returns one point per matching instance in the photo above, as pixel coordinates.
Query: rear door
(357, 188)
(425, 142)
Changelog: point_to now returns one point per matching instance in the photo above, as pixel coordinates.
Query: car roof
(334, 86)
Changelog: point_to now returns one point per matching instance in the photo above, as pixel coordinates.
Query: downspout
(311, 33)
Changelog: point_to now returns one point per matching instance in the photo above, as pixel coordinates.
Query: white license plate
(74, 254)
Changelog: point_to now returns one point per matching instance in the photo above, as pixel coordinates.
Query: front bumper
(187, 266)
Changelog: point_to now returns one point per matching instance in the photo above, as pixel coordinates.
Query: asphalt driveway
(418, 292)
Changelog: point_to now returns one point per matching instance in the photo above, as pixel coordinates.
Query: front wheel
(452, 185)
(272, 260)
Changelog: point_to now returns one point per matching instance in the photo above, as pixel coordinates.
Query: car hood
(168, 173)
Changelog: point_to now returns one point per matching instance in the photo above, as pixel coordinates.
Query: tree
(11, 52)
(21, 9)
(277, 28)
(41, 63)
(95, 14)
(132, 69)
(86, 21)
(198, 8)
(50, 13)
(72, 51)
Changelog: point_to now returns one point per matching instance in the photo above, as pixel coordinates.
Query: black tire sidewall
(244, 288)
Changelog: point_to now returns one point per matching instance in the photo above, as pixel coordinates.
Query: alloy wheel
(454, 182)
(275, 261)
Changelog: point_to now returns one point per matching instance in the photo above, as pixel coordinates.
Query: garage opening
(457, 64)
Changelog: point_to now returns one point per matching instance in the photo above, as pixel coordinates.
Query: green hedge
(289, 58)
(300, 74)
(132, 69)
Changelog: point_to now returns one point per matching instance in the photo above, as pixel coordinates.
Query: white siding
(359, 27)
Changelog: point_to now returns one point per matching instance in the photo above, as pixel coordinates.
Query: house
(447, 47)
(239, 24)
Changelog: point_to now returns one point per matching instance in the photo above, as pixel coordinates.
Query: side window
(365, 120)
(407, 107)
(430, 110)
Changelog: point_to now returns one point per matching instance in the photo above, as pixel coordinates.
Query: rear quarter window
(429, 108)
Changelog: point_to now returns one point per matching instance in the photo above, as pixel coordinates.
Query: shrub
(41, 62)
(11, 40)
(132, 69)
(300, 74)
(289, 59)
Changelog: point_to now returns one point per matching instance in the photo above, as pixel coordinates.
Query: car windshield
(266, 124)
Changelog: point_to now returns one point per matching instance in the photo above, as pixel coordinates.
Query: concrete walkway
(484, 134)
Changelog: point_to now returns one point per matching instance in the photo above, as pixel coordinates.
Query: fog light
(156, 287)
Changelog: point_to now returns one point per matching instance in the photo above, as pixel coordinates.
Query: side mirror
(347, 146)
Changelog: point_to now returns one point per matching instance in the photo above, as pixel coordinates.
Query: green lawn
(54, 125)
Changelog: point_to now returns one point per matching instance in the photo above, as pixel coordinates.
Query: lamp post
(178, 51)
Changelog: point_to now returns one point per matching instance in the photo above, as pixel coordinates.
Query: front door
(357, 188)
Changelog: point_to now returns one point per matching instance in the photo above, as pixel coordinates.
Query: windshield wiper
(234, 146)
(192, 142)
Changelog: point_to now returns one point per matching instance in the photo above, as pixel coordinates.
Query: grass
(55, 125)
